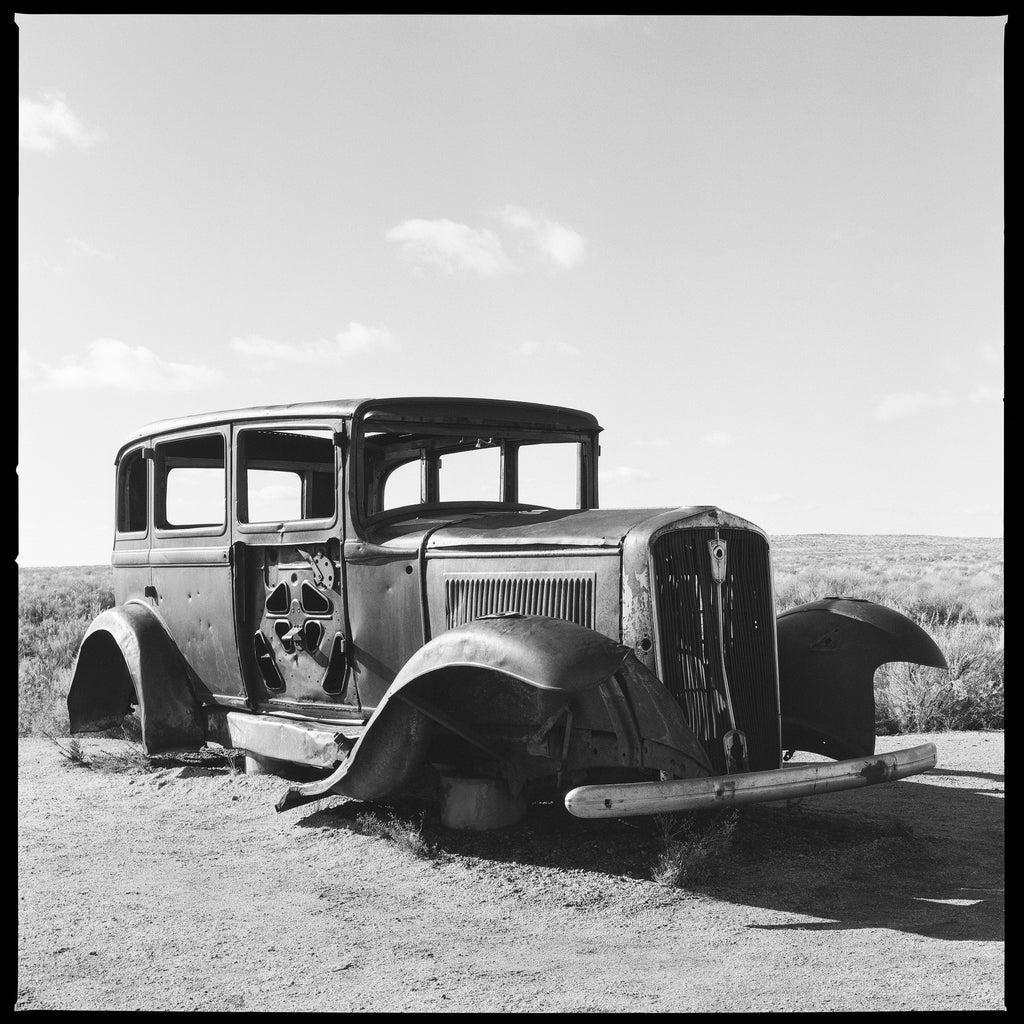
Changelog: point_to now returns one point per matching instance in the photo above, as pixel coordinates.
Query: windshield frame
(430, 437)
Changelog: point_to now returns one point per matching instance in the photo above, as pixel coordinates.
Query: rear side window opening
(286, 475)
(132, 493)
(191, 483)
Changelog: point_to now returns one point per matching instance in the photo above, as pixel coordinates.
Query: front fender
(127, 657)
(487, 657)
(828, 653)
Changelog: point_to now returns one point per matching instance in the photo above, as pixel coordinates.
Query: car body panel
(380, 641)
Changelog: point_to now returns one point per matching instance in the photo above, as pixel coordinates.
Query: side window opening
(286, 475)
(274, 494)
(132, 493)
(191, 482)
(402, 486)
(548, 474)
(471, 475)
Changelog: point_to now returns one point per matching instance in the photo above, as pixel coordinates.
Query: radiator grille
(467, 596)
(688, 638)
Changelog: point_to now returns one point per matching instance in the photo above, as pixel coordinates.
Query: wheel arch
(552, 657)
(127, 657)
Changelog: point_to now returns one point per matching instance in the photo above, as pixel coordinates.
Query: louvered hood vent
(568, 596)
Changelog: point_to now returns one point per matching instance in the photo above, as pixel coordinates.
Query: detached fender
(127, 657)
(828, 653)
(547, 654)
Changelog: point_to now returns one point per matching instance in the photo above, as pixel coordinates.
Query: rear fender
(828, 653)
(127, 657)
(524, 670)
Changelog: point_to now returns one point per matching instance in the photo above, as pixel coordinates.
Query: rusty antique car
(370, 589)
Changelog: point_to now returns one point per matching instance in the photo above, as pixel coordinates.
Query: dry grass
(405, 833)
(73, 752)
(125, 760)
(939, 579)
(913, 698)
(953, 587)
(55, 607)
(691, 847)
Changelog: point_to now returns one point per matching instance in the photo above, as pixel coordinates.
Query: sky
(766, 253)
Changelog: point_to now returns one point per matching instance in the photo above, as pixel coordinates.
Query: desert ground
(163, 886)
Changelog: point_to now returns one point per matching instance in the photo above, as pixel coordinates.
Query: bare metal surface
(630, 799)
(281, 740)
(344, 408)
(127, 657)
(828, 653)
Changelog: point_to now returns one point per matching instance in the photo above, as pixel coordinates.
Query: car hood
(602, 528)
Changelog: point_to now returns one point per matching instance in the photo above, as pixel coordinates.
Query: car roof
(467, 410)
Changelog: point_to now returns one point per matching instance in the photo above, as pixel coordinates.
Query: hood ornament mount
(734, 741)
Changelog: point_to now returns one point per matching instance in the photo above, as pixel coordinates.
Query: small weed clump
(691, 847)
(129, 760)
(72, 751)
(405, 834)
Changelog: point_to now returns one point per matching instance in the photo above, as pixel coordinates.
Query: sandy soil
(181, 888)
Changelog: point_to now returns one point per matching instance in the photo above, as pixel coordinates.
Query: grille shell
(688, 637)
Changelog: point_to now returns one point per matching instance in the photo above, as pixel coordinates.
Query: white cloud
(455, 249)
(89, 250)
(719, 438)
(354, 340)
(113, 364)
(892, 407)
(773, 497)
(47, 123)
(559, 348)
(558, 245)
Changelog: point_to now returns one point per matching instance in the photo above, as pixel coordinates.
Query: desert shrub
(691, 847)
(406, 834)
(914, 698)
(55, 608)
(130, 759)
(73, 752)
(952, 588)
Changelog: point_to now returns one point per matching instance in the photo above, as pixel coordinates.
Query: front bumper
(622, 800)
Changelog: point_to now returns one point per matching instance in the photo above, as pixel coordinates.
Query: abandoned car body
(368, 588)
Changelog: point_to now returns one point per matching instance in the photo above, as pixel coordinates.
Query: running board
(627, 799)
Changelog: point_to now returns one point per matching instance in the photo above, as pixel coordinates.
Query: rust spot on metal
(875, 772)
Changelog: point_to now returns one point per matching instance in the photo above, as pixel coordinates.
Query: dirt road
(181, 888)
